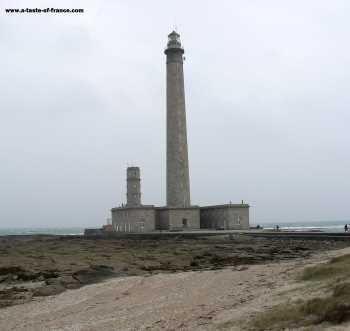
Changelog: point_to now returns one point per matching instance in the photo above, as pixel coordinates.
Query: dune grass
(336, 268)
(333, 308)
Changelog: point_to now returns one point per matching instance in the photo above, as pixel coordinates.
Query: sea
(33, 231)
(324, 226)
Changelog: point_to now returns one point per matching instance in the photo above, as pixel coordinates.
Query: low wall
(94, 232)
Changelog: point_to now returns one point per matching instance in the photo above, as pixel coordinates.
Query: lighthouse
(177, 170)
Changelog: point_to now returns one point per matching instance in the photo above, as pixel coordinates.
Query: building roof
(227, 205)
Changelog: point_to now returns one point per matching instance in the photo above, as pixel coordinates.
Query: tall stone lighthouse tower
(178, 182)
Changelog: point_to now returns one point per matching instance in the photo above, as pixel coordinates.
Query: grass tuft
(279, 317)
(336, 268)
(334, 308)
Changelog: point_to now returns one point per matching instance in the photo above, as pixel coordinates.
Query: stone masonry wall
(178, 218)
(178, 182)
(228, 217)
(162, 219)
(133, 187)
(141, 219)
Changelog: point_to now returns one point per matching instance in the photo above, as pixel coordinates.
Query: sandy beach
(62, 283)
(223, 299)
(35, 266)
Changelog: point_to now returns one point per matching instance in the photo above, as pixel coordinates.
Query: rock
(14, 295)
(49, 274)
(11, 270)
(241, 268)
(17, 273)
(66, 281)
(47, 290)
(3, 278)
(93, 274)
(300, 248)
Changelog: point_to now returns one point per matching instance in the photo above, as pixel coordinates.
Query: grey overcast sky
(83, 95)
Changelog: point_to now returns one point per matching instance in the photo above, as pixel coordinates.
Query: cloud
(84, 95)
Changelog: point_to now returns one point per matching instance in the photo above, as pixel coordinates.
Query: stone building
(225, 217)
(179, 213)
(134, 216)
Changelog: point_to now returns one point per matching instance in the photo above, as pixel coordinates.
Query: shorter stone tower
(133, 196)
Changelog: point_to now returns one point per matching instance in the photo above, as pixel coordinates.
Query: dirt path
(202, 300)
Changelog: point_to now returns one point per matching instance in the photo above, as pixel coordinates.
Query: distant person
(277, 227)
(346, 228)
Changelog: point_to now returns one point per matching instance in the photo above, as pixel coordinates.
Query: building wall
(162, 219)
(178, 218)
(228, 217)
(140, 219)
(147, 219)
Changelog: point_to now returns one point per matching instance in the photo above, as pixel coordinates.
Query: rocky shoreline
(34, 266)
